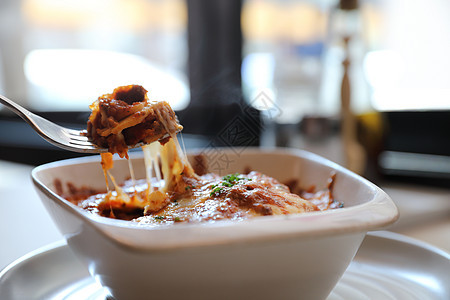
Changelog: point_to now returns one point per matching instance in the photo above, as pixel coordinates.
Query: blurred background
(363, 83)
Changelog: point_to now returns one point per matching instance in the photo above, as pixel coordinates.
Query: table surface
(25, 225)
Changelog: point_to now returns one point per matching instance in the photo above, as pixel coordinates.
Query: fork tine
(74, 131)
(81, 143)
(75, 134)
(79, 138)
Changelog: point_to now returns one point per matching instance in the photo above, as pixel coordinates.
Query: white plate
(387, 266)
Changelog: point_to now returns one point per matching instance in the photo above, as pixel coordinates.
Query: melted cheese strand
(154, 151)
(151, 160)
(164, 121)
(179, 151)
(107, 164)
(167, 155)
(106, 180)
(119, 195)
(183, 145)
(157, 171)
(148, 168)
(118, 189)
(133, 179)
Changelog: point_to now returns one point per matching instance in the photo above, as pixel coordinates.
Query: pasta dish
(173, 191)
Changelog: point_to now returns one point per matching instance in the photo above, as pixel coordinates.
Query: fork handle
(16, 108)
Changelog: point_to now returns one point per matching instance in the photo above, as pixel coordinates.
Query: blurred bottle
(345, 92)
(345, 23)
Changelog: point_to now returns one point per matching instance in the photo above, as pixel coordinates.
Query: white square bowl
(300, 256)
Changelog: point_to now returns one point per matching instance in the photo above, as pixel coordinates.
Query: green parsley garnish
(228, 181)
(159, 218)
(216, 190)
(177, 219)
(232, 178)
(227, 184)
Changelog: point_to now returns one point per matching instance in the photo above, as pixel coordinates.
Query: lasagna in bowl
(173, 191)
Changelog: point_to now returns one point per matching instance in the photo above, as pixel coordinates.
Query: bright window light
(62, 79)
(413, 74)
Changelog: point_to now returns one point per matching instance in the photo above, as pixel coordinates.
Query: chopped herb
(159, 218)
(232, 178)
(189, 187)
(177, 219)
(228, 181)
(215, 191)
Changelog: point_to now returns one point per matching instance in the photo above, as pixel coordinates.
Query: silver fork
(68, 139)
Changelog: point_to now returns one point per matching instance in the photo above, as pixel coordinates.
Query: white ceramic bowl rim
(372, 215)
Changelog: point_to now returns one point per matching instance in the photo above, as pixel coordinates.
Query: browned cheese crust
(210, 198)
